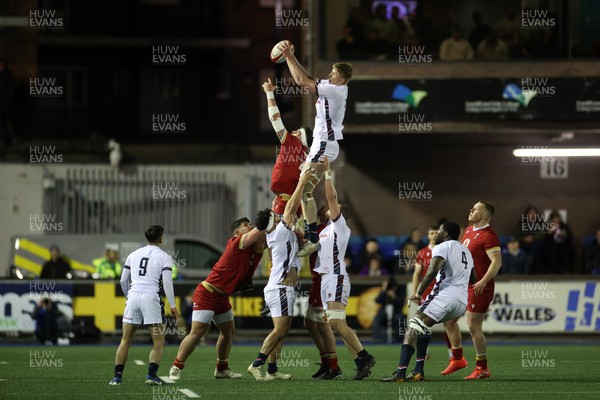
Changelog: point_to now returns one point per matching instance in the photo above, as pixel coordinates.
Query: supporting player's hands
(174, 313)
(415, 297)
(325, 163)
(291, 278)
(268, 86)
(306, 175)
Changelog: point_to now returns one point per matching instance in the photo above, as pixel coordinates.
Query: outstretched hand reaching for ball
(268, 86)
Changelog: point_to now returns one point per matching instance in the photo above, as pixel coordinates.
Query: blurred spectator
(56, 267)
(591, 256)
(346, 46)
(374, 47)
(537, 44)
(369, 251)
(386, 27)
(514, 260)
(391, 301)
(509, 28)
(403, 28)
(416, 237)
(408, 257)
(492, 48)
(480, 32)
(456, 48)
(374, 267)
(108, 267)
(45, 315)
(557, 256)
(531, 232)
(356, 22)
(7, 91)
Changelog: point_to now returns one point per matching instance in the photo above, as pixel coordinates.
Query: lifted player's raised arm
(298, 72)
(273, 110)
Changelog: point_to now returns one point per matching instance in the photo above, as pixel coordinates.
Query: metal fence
(196, 201)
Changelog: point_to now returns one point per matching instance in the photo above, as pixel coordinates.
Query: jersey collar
(480, 228)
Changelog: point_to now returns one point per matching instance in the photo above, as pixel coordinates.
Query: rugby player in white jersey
(331, 109)
(280, 294)
(452, 267)
(145, 272)
(335, 283)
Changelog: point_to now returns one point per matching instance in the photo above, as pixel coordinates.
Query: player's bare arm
(294, 201)
(496, 262)
(291, 278)
(296, 69)
(330, 193)
(256, 235)
(273, 110)
(436, 265)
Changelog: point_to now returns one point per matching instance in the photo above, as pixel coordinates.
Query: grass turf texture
(83, 372)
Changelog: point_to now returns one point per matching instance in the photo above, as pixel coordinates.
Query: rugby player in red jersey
(234, 270)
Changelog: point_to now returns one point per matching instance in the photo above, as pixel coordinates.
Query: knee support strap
(335, 314)
(419, 326)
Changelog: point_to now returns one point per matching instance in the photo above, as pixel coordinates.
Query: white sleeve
(326, 89)
(441, 250)
(126, 277)
(167, 268)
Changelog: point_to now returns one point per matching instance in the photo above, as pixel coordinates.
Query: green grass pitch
(525, 371)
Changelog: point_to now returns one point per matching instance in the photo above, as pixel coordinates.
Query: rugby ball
(276, 54)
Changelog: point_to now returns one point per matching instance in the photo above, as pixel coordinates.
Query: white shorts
(280, 301)
(335, 287)
(144, 309)
(205, 316)
(442, 308)
(323, 148)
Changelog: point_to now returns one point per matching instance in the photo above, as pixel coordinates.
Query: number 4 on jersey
(464, 259)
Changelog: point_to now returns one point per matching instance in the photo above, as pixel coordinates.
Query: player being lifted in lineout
(331, 108)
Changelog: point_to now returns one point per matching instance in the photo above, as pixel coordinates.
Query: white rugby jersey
(146, 270)
(453, 279)
(334, 241)
(331, 108)
(284, 246)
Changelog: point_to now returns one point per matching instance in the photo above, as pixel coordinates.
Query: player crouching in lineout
(335, 282)
(145, 271)
(331, 108)
(292, 153)
(231, 272)
(280, 294)
(452, 267)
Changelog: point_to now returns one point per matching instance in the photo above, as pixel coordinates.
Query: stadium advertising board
(520, 307)
(513, 99)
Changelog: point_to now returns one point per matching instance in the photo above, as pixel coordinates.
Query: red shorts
(480, 303)
(212, 301)
(314, 295)
(279, 207)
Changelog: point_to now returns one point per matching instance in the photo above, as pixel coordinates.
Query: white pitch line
(166, 379)
(3, 362)
(139, 362)
(188, 393)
